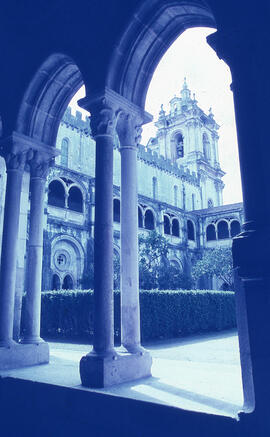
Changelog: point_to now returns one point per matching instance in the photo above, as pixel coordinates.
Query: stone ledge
(22, 355)
(100, 372)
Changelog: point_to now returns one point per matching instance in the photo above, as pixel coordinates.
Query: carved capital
(16, 161)
(39, 165)
(129, 129)
(103, 117)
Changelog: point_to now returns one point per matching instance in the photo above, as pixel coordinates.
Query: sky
(209, 78)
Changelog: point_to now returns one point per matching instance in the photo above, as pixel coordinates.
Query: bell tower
(188, 136)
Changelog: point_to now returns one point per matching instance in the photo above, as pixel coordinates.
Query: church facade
(179, 195)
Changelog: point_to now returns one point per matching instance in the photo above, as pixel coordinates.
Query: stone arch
(47, 97)
(223, 230)
(211, 232)
(75, 199)
(56, 283)
(190, 230)
(175, 227)
(116, 210)
(167, 225)
(149, 219)
(68, 283)
(157, 25)
(235, 228)
(175, 262)
(57, 193)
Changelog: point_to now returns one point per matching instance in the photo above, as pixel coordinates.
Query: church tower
(189, 137)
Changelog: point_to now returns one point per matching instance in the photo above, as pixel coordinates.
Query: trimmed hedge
(164, 314)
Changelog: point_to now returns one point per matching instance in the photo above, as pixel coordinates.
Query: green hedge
(164, 314)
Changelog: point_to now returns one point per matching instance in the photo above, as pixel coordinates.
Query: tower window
(179, 143)
(210, 203)
(64, 152)
(154, 182)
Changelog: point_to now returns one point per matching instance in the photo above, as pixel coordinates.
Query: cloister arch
(175, 227)
(211, 232)
(75, 199)
(190, 230)
(57, 194)
(235, 228)
(167, 225)
(149, 219)
(157, 26)
(223, 230)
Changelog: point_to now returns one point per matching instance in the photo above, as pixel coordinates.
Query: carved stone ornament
(16, 161)
(39, 166)
(129, 130)
(103, 118)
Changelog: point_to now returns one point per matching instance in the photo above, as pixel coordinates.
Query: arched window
(235, 228)
(222, 230)
(68, 283)
(64, 152)
(140, 217)
(175, 227)
(211, 233)
(149, 220)
(116, 210)
(167, 227)
(154, 182)
(193, 201)
(55, 282)
(206, 147)
(190, 230)
(210, 203)
(179, 145)
(75, 199)
(56, 194)
(175, 195)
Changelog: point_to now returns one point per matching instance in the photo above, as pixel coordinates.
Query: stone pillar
(247, 54)
(38, 174)
(15, 163)
(105, 366)
(129, 136)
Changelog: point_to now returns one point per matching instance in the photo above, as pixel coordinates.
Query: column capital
(19, 150)
(107, 107)
(129, 130)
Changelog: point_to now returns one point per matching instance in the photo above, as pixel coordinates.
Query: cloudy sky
(209, 78)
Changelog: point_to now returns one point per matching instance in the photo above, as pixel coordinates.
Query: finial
(210, 113)
(161, 112)
(185, 82)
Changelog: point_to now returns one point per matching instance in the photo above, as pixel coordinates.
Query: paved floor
(200, 373)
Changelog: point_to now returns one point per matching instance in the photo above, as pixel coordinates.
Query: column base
(99, 372)
(22, 355)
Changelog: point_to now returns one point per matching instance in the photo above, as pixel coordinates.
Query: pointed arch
(47, 97)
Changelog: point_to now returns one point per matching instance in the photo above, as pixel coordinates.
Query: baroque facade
(179, 193)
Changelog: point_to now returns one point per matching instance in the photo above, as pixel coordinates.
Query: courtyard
(198, 373)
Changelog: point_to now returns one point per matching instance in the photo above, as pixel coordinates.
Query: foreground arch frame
(125, 88)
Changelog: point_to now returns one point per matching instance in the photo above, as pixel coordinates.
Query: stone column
(129, 136)
(15, 163)
(247, 54)
(103, 128)
(38, 174)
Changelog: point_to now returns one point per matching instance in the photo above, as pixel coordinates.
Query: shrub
(164, 314)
